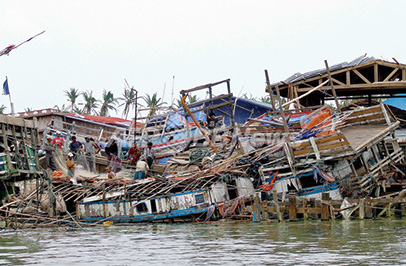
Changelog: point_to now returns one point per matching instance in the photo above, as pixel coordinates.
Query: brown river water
(368, 242)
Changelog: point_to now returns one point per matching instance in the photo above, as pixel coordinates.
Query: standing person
(212, 123)
(70, 164)
(58, 140)
(49, 148)
(141, 169)
(74, 146)
(96, 145)
(134, 154)
(89, 147)
(111, 148)
(115, 163)
(149, 155)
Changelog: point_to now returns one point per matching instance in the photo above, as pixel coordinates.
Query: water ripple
(380, 242)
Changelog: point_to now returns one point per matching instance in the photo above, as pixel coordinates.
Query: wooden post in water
(292, 207)
(403, 209)
(104, 201)
(361, 209)
(256, 214)
(305, 214)
(367, 208)
(332, 215)
(277, 207)
(52, 200)
(325, 196)
(264, 211)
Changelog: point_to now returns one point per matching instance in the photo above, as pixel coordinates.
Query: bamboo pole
(197, 123)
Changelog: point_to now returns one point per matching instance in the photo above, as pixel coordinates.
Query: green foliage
(108, 103)
(91, 104)
(73, 95)
(128, 100)
(153, 103)
(2, 108)
(63, 109)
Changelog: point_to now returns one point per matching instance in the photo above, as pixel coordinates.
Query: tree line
(83, 102)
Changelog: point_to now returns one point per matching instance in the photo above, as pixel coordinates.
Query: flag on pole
(5, 88)
(8, 49)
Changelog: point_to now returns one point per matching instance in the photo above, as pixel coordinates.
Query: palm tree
(2, 108)
(91, 104)
(72, 95)
(63, 109)
(250, 97)
(153, 103)
(108, 103)
(79, 111)
(265, 99)
(128, 100)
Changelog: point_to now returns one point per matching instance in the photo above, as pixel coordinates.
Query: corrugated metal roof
(299, 76)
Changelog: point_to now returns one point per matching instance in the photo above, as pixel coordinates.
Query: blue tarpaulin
(397, 102)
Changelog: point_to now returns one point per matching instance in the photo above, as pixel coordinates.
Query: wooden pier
(292, 208)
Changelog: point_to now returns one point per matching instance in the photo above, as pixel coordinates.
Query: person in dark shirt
(49, 148)
(75, 145)
(212, 123)
(111, 148)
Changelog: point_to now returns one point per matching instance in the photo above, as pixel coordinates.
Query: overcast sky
(95, 45)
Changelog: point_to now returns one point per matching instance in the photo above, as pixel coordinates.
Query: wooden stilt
(324, 206)
(292, 207)
(256, 214)
(361, 209)
(305, 214)
(277, 207)
(367, 208)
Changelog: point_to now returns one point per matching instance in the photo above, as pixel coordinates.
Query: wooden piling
(277, 207)
(403, 209)
(264, 211)
(361, 209)
(104, 201)
(324, 206)
(256, 214)
(367, 208)
(305, 213)
(292, 207)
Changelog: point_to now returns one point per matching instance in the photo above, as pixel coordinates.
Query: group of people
(142, 160)
(49, 147)
(53, 144)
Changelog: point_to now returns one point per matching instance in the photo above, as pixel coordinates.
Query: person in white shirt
(141, 169)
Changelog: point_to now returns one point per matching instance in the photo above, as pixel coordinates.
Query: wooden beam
(332, 87)
(204, 86)
(361, 76)
(269, 89)
(376, 76)
(390, 75)
(304, 95)
(337, 81)
(348, 77)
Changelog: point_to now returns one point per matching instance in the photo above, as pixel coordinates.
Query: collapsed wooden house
(303, 152)
(18, 148)
(362, 78)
